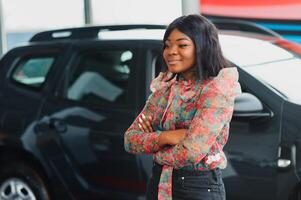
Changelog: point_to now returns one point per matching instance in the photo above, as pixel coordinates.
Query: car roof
(90, 33)
(143, 32)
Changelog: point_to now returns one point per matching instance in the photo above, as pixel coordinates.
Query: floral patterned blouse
(203, 108)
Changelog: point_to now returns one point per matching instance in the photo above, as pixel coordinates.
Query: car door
(89, 114)
(252, 148)
(26, 73)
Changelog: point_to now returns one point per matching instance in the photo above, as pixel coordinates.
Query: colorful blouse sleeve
(137, 141)
(215, 108)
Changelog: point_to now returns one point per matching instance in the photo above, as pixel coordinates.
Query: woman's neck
(189, 75)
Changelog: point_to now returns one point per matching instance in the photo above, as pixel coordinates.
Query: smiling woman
(179, 53)
(185, 121)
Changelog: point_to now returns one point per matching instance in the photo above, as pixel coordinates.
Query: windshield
(271, 64)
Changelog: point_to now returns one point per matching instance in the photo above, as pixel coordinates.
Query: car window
(244, 51)
(274, 65)
(102, 77)
(284, 76)
(32, 70)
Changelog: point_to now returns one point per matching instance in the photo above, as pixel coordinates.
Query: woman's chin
(174, 69)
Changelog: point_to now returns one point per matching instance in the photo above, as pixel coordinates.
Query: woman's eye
(166, 46)
(183, 45)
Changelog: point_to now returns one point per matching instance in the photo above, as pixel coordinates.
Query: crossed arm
(186, 146)
(144, 136)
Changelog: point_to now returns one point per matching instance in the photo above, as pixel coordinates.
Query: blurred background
(22, 19)
(68, 96)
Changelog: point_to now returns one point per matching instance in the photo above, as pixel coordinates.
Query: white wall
(36, 15)
(136, 11)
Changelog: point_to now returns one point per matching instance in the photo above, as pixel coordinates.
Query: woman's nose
(172, 50)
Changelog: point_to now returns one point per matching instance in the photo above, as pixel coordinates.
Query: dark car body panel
(252, 147)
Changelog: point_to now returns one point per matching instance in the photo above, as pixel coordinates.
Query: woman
(185, 122)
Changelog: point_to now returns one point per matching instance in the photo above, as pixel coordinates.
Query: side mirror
(247, 106)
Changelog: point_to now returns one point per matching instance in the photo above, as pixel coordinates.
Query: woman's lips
(173, 62)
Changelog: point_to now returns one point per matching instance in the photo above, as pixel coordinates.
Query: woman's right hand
(145, 123)
(171, 137)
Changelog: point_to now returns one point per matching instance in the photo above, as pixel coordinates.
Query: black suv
(68, 96)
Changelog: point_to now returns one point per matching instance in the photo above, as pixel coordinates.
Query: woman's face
(179, 53)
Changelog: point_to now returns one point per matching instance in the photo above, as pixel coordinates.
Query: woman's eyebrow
(184, 38)
(179, 39)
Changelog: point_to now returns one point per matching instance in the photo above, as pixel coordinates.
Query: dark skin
(179, 55)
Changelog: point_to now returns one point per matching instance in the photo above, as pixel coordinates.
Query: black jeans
(190, 185)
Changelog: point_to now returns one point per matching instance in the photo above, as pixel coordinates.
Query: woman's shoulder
(226, 82)
(162, 82)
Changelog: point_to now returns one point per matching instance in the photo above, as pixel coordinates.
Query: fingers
(145, 123)
(142, 125)
(149, 126)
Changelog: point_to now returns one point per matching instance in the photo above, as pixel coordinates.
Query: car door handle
(287, 156)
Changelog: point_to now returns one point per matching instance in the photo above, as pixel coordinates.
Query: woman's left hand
(145, 123)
